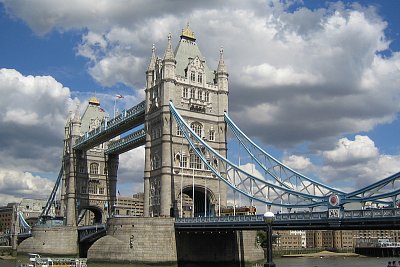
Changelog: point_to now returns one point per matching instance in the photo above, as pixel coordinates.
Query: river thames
(280, 262)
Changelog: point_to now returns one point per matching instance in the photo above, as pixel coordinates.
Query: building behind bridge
(333, 239)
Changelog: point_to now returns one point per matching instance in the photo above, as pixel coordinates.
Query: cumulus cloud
(298, 163)
(32, 117)
(15, 185)
(130, 171)
(357, 163)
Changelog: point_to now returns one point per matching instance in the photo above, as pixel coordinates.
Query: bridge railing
(86, 232)
(295, 216)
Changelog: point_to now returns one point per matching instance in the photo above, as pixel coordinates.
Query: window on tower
(178, 130)
(94, 168)
(192, 76)
(212, 135)
(197, 128)
(195, 162)
(185, 92)
(183, 162)
(200, 95)
(200, 78)
(206, 96)
(156, 162)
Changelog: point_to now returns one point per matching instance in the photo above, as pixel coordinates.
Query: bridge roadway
(326, 220)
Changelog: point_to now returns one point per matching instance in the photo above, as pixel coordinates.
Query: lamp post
(269, 219)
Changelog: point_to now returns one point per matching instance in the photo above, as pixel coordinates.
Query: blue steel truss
(50, 200)
(24, 226)
(127, 143)
(276, 170)
(241, 181)
(283, 186)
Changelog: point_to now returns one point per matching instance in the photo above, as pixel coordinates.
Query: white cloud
(357, 163)
(297, 163)
(130, 172)
(15, 185)
(32, 118)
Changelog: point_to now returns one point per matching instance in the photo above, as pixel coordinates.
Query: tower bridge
(183, 124)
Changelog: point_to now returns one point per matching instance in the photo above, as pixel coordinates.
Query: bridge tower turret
(88, 191)
(72, 132)
(176, 182)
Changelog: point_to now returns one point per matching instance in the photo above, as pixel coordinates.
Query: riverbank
(322, 254)
(7, 257)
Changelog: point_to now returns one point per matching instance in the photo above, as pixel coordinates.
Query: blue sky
(324, 74)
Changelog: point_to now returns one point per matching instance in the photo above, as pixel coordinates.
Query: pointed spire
(221, 64)
(169, 53)
(152, 63)
(77, 116)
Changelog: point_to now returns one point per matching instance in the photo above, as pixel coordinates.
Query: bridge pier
(61, 241)
(155, 240)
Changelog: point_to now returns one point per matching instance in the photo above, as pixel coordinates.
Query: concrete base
(61, 241)
(136, 240)
(154, 240)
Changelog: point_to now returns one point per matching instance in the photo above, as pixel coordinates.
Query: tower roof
(188, 33)
(186, 51)
(94, 101)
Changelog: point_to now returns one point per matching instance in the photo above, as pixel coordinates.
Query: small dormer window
(200, 78)
(192, 76)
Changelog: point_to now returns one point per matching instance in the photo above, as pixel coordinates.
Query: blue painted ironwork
(239, 180)
(127, 143)
(349, 219)
(23, 225)
(92, 232)
(50, 200)
(278, 171)
(127, 120)
(288, 188)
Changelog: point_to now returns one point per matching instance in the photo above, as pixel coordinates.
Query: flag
(119, 96)
(101, 110)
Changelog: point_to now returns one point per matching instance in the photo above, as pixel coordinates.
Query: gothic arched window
(156, 162)
(94, 168)
(197, 128)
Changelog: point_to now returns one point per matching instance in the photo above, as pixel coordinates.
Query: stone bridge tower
(176, 182)
(89, 182)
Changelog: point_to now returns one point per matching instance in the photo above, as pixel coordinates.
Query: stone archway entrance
(90, 215)
(201, 205)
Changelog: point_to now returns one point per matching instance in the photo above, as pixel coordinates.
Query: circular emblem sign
(333, 200)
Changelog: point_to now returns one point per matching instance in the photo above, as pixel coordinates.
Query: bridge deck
(127, 120)
(348, 220)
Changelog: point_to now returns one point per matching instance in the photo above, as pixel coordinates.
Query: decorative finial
(188, 33)
(152, 63)
(221, 64)
(169, 53)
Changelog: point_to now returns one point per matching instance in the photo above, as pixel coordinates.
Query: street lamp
(269, 219)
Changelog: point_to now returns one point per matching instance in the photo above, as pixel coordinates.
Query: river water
(280, 262)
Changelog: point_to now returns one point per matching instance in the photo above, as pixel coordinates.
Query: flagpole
(115, 103)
